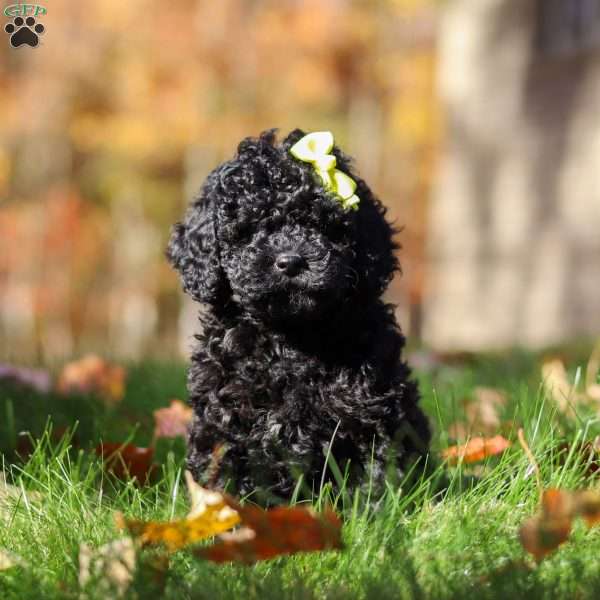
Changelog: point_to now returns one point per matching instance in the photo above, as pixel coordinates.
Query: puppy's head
(266, 234)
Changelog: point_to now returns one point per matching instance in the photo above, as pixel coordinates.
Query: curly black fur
(286, 359)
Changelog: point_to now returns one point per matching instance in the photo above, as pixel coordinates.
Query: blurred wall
(514, 227)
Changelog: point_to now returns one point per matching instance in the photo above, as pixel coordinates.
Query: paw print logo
(24, 31)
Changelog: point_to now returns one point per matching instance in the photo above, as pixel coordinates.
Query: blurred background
(475, 121)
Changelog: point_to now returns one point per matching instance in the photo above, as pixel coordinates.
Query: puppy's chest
(277, 364)
(268, 370)
(251, 381)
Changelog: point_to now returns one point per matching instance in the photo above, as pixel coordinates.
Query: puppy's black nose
(289, 263)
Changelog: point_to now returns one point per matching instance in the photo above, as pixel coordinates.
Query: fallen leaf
(593, 391)
(587, 453)
(211, 473)
(8, 560)
(127, 460)
(37, 379)
(210, 514)
(172, 421)
(481, 414)
(558, 387)
(587, 506)
(541, 537)
(476, 449)
(459, 430)
(544, 533)
(110, 567)
(279, 531)
(592, 385)
(92, 374)
(11, 496)
(557, 504)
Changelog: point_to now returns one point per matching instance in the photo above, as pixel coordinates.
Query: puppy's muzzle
(290, 264)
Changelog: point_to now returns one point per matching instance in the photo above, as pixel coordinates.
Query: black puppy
(297, 352)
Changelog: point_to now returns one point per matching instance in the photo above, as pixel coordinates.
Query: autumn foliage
(545, 532)
(127, 460)
(222, 529)
(476, 449)
(123, 127)
(263, 534)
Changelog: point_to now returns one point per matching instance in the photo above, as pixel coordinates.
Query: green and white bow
(315, 148)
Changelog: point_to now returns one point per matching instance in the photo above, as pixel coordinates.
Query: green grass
(416, 542)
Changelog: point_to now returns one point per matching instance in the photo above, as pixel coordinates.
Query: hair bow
(315, 148)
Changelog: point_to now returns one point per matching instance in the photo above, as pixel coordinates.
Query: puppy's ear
(193, 250)
(375, 259)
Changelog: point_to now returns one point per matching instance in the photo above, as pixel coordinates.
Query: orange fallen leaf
(587, 506)
(544, 533)
(541, 537)
(173, 420)
(279, 531)
(476, 449)
(92, 374)
(263, 533)
(210, 514)
(127, 460)
(557, 504)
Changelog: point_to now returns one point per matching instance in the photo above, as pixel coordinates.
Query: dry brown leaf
(173, 420)
(544, 533)
(12, 495)
(540, 537)
(481, 414)
(587, 506)
(592, 387)
(212, 471)
(593, 391)
(558, 386)
(210, 514)
(110, 567)
(93, 374)
(557, 504)
(459, 430)
(482, 411)
(127, 460)
(476, 449)
(266, 534)
(560, 389)
(587, 454)
(8, 560)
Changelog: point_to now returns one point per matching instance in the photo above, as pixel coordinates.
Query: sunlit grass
(452, 533)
